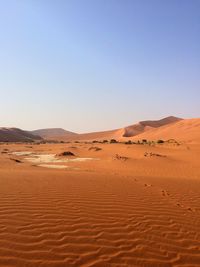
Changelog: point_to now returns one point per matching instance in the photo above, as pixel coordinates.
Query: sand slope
(185, 130)
(144, 126)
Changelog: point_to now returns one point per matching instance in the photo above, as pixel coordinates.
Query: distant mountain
(17, 135)
(53, 133)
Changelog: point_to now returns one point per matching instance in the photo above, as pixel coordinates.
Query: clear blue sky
(88, 65)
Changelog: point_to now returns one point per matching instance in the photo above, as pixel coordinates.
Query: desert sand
(127, 205)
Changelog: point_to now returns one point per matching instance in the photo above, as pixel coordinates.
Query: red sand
(143, 211)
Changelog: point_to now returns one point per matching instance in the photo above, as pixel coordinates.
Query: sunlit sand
(51, 166)
(135, 204)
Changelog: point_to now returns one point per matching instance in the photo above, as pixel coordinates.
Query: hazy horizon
(98, 65)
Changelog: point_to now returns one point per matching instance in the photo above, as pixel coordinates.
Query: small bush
(118, 157)
(95, 148)
(113, 141)
(160, 141)
(66, 153)
(129, 142)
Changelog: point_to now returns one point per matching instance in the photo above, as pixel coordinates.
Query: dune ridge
(144, 126)
(187, 130)
(121, 133)
(59, 134)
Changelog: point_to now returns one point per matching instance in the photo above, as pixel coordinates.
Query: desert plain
(111, 204)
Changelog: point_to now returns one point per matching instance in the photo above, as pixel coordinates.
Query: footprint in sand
(148, 185)
(190, 209)
(165, 193)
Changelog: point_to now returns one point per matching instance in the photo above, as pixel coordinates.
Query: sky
(91, 65)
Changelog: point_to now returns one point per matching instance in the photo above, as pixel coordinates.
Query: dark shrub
(16, 160)
(113, 141)
(95, 148)
(118, 157)
(129, 142)
(66, 153)
(160, 141)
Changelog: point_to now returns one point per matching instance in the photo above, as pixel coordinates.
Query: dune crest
(187, 130)
(121, 133)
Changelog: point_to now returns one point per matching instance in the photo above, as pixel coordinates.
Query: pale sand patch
(44, 158)
(53, 166)
(51, 158)
(21, 153)
(81, 159)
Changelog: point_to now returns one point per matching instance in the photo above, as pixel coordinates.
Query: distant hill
(116, 134)
(187, 130)
(126, 132)
(53, 133)
(17, 135)
(166, 128)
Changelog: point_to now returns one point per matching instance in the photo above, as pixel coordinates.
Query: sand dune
(60, 134)
(185, 130)
(144, 126)
(118, 205)
(118, 134)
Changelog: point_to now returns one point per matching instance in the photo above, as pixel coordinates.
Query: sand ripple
(52, 221)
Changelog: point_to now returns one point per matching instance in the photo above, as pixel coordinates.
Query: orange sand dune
(184, 130)
(121, 133)
(59, 134)
(125, 210)
(144, 126)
